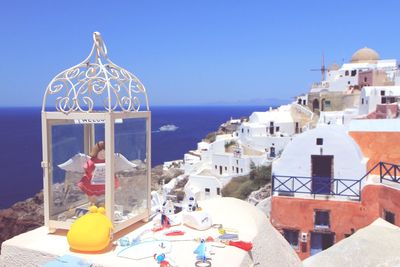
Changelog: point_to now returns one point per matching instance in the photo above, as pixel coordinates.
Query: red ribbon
(246, 246)
(174, 233)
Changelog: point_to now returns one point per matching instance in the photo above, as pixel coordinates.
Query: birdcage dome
(95, 85)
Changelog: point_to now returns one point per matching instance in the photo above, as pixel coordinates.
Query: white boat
(168, 128)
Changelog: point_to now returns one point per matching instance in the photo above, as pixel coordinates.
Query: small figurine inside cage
(92, 183)
(91, 169)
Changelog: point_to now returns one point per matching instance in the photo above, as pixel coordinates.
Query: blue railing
(389, 172)
(316, 186)
(332, 186)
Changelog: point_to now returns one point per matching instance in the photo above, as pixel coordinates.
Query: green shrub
(230, 143)
(260, 174)
(211, 137)
(241, 187)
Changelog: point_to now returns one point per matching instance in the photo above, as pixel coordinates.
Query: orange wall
(378, 146)
(298, 213)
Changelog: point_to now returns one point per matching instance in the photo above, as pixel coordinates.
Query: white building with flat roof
(337, 117)
(270, 130)
(372, 96)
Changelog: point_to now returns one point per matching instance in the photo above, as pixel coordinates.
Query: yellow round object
(93, 209)
(91, 232)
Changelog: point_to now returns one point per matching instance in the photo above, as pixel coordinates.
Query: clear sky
(191, 52)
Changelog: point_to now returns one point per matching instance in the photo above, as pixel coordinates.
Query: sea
(21, 175)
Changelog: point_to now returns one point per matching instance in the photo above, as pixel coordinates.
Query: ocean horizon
(21, 141)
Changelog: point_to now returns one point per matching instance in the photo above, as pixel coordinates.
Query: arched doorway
(315, 104)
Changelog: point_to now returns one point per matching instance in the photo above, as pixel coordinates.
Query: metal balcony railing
(316, 186)
(333, 186)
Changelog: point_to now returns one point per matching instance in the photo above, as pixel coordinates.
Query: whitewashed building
(338, 117)
(341, 87)
(371, 96)
(327, 151)
(302, 100)
(363, 60)
(204, 185)
(231, 158)
(269, 131)
(195, 159)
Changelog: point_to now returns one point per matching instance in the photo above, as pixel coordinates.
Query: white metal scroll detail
(96, 79)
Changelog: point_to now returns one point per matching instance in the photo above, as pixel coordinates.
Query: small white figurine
(168, 209)
(191, 204)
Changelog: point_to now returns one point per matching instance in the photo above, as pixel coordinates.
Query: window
(383, 101)
(242, 130)
(382, 93)
(346, 73)
(365, 79)
(348, 82)
(389, 216)
(353, 73)
(321, 219)
(304, 102)
(216, 167)
(207, 190)
(241, 169)
(248, 130)
(237, 162)
(320, 141)
(218, 191)
(226, 168)
(233, 168)
(362, 101)
(292, 236)
(327, 103)
(277, 128)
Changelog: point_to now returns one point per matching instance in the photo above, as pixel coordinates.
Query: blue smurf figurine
(161, 259)
(201, 250)
(202, 259)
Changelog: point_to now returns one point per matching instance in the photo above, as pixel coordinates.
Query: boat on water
(168, 128)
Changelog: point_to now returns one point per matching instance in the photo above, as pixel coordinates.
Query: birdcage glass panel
(77, 175)
(130, 168)
(67, 147)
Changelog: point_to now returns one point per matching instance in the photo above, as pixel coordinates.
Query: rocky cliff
(21, 217)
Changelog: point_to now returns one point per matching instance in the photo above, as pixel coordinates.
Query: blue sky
(191, 52)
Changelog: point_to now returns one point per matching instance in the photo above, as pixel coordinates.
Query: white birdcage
(96, 135)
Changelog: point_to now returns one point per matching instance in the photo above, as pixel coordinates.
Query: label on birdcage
(99, 173)
(94, 121)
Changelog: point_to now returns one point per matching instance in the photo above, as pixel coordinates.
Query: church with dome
(341, 86)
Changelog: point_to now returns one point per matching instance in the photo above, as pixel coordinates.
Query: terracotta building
(319, 200)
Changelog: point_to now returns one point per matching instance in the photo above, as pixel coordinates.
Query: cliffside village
(334, 154)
